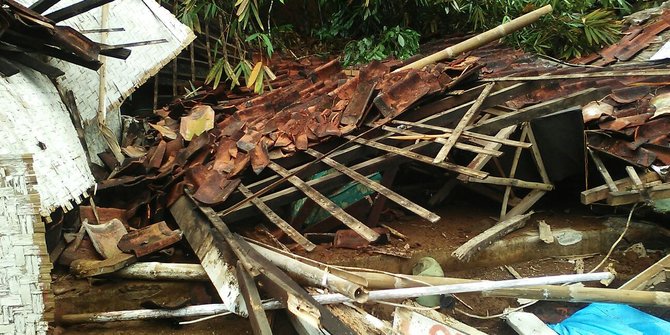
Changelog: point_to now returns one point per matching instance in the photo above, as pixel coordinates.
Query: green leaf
(401, 41)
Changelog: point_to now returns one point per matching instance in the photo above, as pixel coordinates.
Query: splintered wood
(500, 229)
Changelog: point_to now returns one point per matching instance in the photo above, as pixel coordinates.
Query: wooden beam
(277, 220)
(326, 204)
(377, 187)
(601, 192)
(214, 255)
(582, 75)
(464, 122)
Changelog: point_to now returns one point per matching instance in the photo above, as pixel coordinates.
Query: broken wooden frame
(633, 189)
(385, 147)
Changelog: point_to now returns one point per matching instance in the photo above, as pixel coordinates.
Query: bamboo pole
(334, 298)
(481, 39)
(585, 294)
(312, 275)
(377, 281)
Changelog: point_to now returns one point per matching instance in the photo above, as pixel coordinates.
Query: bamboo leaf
(251, 80)
(269, 73)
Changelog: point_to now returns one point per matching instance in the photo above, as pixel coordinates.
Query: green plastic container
(428, 266)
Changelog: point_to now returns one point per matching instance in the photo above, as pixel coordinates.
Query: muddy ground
(462, 219)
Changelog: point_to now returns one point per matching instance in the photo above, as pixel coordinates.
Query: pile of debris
(486, 120)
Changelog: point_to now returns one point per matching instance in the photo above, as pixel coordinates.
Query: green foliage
(395, 42)
(575, 28)
(243, 29)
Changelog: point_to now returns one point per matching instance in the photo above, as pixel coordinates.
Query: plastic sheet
(611, 319)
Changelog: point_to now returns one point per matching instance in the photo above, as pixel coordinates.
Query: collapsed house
(486, 117)
(58, 115)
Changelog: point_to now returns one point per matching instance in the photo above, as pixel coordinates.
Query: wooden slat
(652, 275)
(277, 220)
(603, 171)
(377, 187)
(327, 204)
(496, 98)
(537, 156)
(259, 320)
(464, 122)
(419, 157)
(480, 161)
(512, 182)
(466, 134)
(562, 104)
(512, 172)
(458, 145)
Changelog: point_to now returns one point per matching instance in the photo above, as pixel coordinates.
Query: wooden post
(481, 39)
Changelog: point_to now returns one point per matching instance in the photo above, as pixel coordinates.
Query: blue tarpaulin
(611, 319)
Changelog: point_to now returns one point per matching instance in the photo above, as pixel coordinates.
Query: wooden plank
(274, 281)
(500, 229)
(601, 192)
(480, 161)
(464, 122)
(259, 320)
(419, 157)
(639, 185)
(327, 204)
(214, 255)
(653, 275)
(661, 191)
(512, 182)
(603, 171)
(525, 323)
(558, 105)
(458, 145)
(323, 184)
(377, 187)
(466, 134)
(277, 220)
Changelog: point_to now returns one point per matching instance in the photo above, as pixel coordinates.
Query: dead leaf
(164, 131)
(199, 121)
